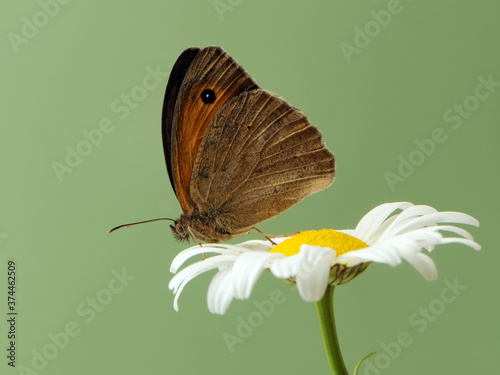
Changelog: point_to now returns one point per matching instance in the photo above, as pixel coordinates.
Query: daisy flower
(312, 260)
(317, 261)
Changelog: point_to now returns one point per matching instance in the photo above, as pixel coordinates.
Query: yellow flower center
(338, 241)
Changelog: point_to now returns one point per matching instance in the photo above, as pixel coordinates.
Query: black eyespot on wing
(208, 96)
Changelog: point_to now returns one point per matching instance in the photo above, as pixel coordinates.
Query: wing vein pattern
(259, 156)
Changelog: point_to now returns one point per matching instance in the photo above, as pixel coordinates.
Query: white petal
(286, 267)
(247, 269)
(205, 249)
(435, 218)
(256, 245)
(371, 222)
(313, 273)
(451, 228)
(423, 264)
(378, 235)
(220, 292)
(383, 253)
(463, 241)
(199, 268)
(180, 280)
(405, 216)
(390, 251)
(422, 237)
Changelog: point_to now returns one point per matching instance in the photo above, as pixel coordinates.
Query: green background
(371, 110)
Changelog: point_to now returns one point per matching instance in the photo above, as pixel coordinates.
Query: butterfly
(236, 154)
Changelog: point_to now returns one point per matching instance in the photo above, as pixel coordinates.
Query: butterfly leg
(191, 232)
(267, 236)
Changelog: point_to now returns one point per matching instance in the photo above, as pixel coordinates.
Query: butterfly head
(180, 229)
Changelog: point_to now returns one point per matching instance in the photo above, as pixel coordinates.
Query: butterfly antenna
(139, 222)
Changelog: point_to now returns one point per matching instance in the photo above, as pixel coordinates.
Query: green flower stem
(324, 307)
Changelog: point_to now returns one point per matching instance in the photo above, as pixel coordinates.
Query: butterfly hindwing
(259, 156)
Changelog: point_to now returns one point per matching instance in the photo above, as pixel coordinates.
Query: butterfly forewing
(259, 156)
(214, 70)
(174, 84)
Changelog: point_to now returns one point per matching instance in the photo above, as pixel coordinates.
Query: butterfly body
(207, 227)
(236, 154)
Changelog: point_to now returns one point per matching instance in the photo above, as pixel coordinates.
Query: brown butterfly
(236, 154)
